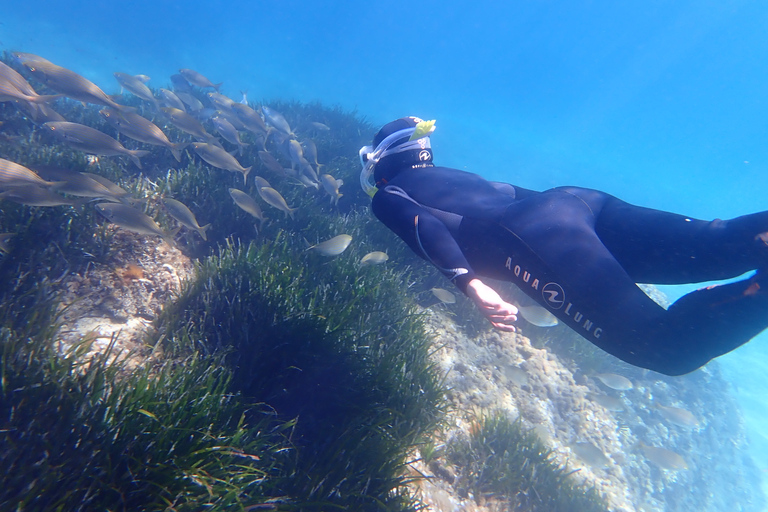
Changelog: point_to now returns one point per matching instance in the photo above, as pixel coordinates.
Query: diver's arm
(425, 234)
(428, 237)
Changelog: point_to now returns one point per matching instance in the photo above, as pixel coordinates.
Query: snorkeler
(577, 252)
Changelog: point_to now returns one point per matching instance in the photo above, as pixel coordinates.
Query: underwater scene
(199, 310)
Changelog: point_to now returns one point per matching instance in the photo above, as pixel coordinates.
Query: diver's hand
(501, 314)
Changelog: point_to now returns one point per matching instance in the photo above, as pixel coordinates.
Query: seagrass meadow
(273, 378)
(245, 370)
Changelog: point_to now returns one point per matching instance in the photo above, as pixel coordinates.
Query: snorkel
(418, 138)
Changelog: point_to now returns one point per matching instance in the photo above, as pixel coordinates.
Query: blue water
(664, 104)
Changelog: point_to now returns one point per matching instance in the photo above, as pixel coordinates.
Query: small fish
(250, 118)
(66, 82)
(678, 416)
(116, 191)
(591, 454)
(184, 215)
(276, 120)
(320, 126)
(443, 295)
(516, 375)
(228, 131)
(194, 104)
(77, 184)
(92, 141)
(270, 162)
(195, 78)
(261, 183)
(331, 187)
(220, 101)
(139, 128)
(374, 258)
(538, 316)
(296, 152)
(32, 195)
(136, 86)
(14, 175)
(310, 153)
(247, 204)
(611, 403)
(170, 99)
(663, 458)
(614, 381)
(334, 246)
(12, 89)
(180, 84)
(4, 238)
(218, 157)
(186, 123)
(273, 198)
(132, 220)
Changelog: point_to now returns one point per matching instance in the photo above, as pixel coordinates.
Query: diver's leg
(666, 248)
(554, 256)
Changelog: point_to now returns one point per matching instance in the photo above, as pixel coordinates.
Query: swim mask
(405, 134)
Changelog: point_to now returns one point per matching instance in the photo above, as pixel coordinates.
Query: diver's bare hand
(500, 313)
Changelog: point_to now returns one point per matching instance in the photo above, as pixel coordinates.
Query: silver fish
(136, 86)
(591, 454)
(270, 162)
(247, 204)
(132, 220)
(320, 126)
(334, 246)
(180, 84)
(218, 157)
(273, 198)
(261, 183)
(331, 187)
(611, 403)
(186, 123)
(4, 238)
(92, 141)
(68, 83)
(678, 416)
(117, 192)
(250, 119)
(15, 175)
(228, 131)
(170, 99)
(276, 120)
(221, 101)
(310, 153)
(77, 184)
(374, 258)
(538, 316)
(197, 79)
(614, 381)
(9, 92)
(139, 128)
(194, 104)
(32, 195)
(184, 215)
(296, 152)
(665, 459)
(443, 295)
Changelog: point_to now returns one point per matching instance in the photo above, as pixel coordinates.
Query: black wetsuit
(579, 252)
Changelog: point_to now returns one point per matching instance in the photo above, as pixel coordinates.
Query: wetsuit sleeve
(424, 233)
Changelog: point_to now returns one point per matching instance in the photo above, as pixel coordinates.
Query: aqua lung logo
(424, 155)
(554, 295)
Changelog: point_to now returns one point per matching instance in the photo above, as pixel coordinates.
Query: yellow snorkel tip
(423, 129)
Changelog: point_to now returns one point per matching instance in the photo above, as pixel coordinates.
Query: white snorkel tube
(418, 138)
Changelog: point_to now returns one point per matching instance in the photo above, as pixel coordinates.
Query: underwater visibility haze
(662, 104)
